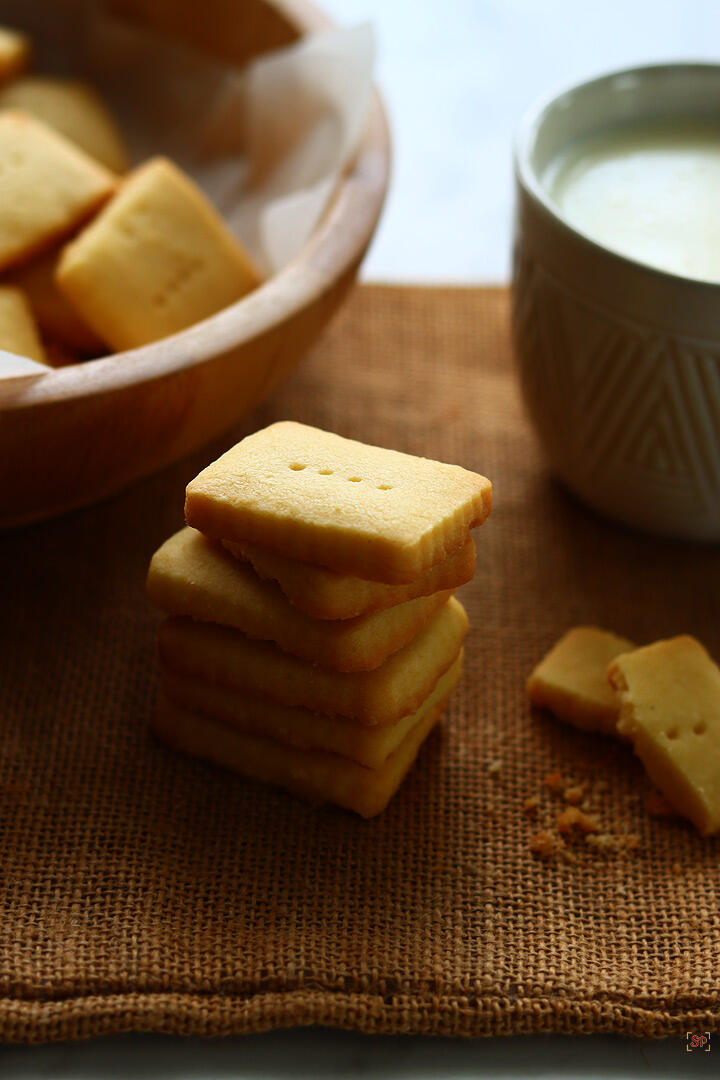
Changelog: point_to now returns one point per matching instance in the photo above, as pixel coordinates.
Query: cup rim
(526, 134)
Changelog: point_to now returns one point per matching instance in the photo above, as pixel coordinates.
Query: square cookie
(369, 746)
(356, 509)
(190, 575)
(55, 316)
(157, 260)
(571, 681)
(18, 329)
(323, 594)
(75, 110)
(47, 187)
(217, 654)
(670, 707)
(312, 774)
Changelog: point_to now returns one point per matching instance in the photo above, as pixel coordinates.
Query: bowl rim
(526, 134)
(328, 253)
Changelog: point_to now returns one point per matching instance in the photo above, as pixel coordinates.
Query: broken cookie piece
(571, 681)
(669, 696)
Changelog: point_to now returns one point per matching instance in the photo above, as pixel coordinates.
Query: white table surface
(457, 76)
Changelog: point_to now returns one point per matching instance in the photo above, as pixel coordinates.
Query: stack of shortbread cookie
(313, 638)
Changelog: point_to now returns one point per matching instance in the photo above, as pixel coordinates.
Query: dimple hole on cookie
(297, 466)
(700, 728)
(325, 472)
(672, 733)
(355, 479)
(384, 487)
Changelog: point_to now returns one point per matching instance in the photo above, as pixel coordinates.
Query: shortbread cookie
(311, 774)
(190, 575)
(56, 317)
(571, 681)
(15, 52)
(670, 707)
(323, 594)
(314, 496)
(396, 688)
(369, 746)
(75, 110)
(158, 259)
(18, 329)
(47, 187)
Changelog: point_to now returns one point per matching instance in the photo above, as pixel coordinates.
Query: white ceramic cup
(619, 362)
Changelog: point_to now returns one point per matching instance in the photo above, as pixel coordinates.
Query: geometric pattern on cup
(629, 417)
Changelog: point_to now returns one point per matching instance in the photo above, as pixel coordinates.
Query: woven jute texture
(143, 890)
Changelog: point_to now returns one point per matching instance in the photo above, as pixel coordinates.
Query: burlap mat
(142, 890)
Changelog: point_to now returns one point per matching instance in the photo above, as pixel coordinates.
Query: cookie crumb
(609, 842)
(573, 818)
(554, 782)
(574, 794)
(494, 767)
(602, 841)
(531, 806)
(621, 890)
(542, 844)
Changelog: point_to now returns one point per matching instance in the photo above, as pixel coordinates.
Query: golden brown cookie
(571, 681)
(323, 594)
(56, 317)
(220, 655)
(312, 774)
(190, 575)
(75, 110)
(369, 746)
(356, 509)
(158, 259)
(670, 707)
(47, 187)
(18, 329)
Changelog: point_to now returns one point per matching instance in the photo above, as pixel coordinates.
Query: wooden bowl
(83, 432)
